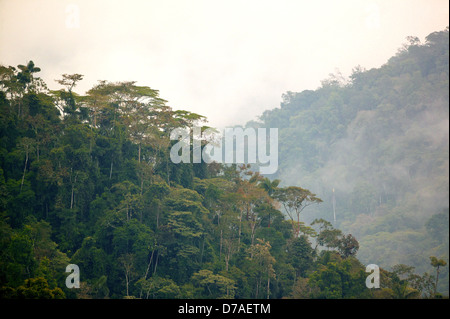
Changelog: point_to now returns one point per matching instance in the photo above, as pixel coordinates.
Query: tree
(90, 256)
(37, 288)
(70, 80)
(159, 288)
(348, 246)
(269, 186)
(303, 290)
(25, 76)
(437, 263)
(264, 262)
(252, 198)
(401, 289)
(327, 235)
(90, 177)
(70, 108)
(339, 279)
(127, 263)
(27, 146)
(300, 255)
(294, 200)
(417, 285)
(217, 286)
(97, 101)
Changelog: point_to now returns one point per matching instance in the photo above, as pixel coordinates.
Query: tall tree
(437, 263)
(294, 200)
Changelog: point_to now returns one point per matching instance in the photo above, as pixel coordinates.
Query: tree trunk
(156, 264)
(71, 199)
(220, 247)
(240, 226)
(126, 280)
(73, 186)
(24, 170)
(149, 263)
(146, 272)
(157, 217)
(436, 283)
(139, 155)
(227, 259)
(258, 283)
(168, 173)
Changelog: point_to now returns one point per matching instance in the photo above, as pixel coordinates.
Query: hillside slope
(378, 143)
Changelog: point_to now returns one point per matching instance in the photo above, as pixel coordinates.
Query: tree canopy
(88, 180)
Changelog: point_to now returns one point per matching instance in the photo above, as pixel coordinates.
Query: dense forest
(375, 148)
(87, 180)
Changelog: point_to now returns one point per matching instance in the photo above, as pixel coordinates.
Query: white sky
(228, 60)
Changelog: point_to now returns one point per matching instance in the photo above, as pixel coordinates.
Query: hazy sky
(228, 60)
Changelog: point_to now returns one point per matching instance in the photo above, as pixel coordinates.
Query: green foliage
(300, 255)
(36, 288)
(338, 278)
(214, 286)
(88, 180)
(375, 149)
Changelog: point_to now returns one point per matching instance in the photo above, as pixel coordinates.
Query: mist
(380, 140)
(228, 61)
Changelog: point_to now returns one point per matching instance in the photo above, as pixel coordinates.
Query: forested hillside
(375, 149)
(87, 180)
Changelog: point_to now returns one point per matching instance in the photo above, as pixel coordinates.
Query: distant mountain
(378, 143)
